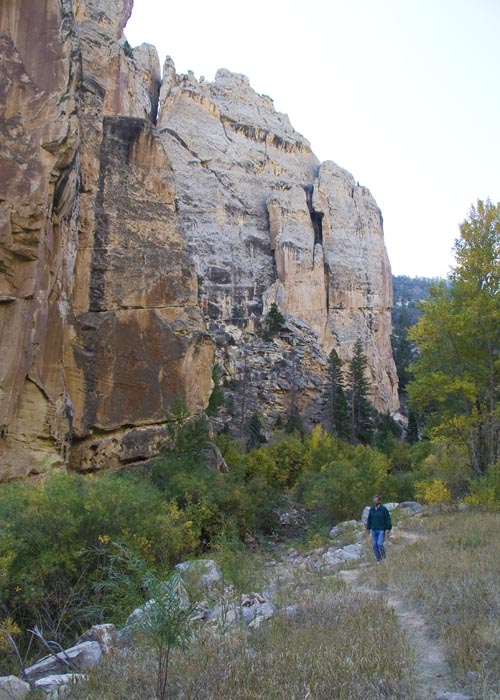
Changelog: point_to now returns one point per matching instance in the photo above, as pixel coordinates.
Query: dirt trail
(433, 676)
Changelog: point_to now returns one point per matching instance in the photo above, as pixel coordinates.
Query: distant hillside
(408, 293)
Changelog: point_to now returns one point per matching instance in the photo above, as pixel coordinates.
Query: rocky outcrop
(359, 280)
(147, 227)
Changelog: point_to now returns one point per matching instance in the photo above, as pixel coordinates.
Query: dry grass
(331, 648)
(340, 643)
(453, 575)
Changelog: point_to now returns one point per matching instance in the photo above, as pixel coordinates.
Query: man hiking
(378, 523)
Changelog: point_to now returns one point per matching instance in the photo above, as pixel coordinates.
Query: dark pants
(378, 539)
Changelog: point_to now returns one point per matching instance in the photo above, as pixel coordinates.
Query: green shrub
(339, 489)
(485, 492)
(399, 486)
(279, 463)
(240, 566)
(432, 492)
(51, 535)
(273, 322)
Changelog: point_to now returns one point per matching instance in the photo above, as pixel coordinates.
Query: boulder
(255, 614)
(54, 686)
(340, 528)
(391, 506)
(202, 573)
(13, 688)
(225, 614)
(106, 635)
(78, 658)
(411, 507)
(348, 553)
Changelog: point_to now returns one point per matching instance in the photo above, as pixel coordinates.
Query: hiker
(378, 523)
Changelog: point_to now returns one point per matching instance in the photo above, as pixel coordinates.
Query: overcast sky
(402, 93)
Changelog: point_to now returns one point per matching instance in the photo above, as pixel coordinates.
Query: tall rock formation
(266, 222)
(101, 331)
(135, 253)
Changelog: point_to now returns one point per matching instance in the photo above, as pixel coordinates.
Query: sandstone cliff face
(100, 326)
(39, 143)
(267, 223)
(128, 245)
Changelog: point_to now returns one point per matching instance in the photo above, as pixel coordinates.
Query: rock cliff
(101, 330)
(147, 225)
(266, 222)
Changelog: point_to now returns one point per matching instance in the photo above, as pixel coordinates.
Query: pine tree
(339, 410)
(255, 435)
(361, 412)
(412, 433)
(274, 321)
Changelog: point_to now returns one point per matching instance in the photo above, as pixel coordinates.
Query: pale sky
(402, 93)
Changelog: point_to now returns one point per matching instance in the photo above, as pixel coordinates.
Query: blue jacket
(379, 518)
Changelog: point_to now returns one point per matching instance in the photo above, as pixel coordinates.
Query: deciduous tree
(457, 374)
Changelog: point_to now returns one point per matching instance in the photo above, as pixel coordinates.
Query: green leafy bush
(279, 463)
(341, 479)
(485, 492)
(52, 534)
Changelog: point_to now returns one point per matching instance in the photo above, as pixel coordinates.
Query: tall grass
(453, 574)
(338, 644)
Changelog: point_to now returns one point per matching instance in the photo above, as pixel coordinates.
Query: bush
(485, 492)
(432, 492)
(399, 486)
(52, 536)
(341, 479)
(279, 463)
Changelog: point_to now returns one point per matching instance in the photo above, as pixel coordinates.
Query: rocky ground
(348, 556)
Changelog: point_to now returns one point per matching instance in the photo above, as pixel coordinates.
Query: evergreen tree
(294, 424)
(339, 410)
(360, 406)
(255, 435)
(402, 348)
(274, 321)
(412, 433)
(216, 399)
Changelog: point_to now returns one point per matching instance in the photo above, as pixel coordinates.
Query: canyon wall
(100, 327)
(266, 222)
(147, 225)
